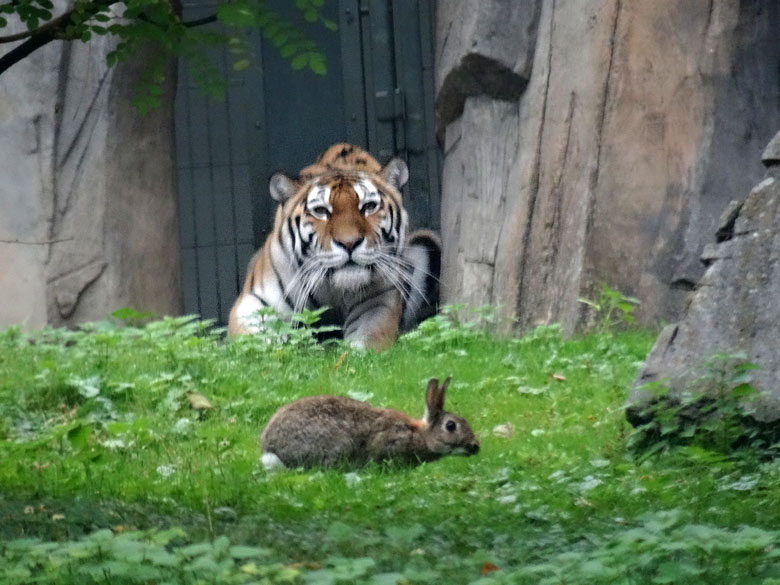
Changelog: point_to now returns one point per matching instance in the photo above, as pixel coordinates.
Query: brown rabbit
(329, 430)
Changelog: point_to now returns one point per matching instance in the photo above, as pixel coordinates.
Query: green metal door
(378, 94)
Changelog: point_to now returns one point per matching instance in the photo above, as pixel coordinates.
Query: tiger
(340, 241)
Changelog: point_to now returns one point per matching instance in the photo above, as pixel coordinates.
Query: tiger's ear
(282, 187)
(396, 173)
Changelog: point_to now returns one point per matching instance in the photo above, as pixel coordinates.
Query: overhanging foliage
(135, 24)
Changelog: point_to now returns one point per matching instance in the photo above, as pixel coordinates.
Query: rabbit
(333, 430)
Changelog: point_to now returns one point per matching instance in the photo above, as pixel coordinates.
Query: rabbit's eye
(451, 426)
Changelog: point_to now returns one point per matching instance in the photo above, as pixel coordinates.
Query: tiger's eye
(320, 210)
(451, 426)
(370, 206)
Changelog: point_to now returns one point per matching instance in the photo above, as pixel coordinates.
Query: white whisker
(304, 269)
(398, 277)
(313, 281)
(410, 265)
(402, 272)
(304, 280)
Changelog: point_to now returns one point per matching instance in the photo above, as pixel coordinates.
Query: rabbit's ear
(433, 387)
(434, 400)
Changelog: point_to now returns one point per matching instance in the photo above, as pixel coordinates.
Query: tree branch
(45, 34)
(54, 23)
(55, 28)
(201, 21)
(31, 45)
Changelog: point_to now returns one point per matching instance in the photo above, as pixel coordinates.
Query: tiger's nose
(350, 243)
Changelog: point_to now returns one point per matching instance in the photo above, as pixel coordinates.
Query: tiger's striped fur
(340, 240)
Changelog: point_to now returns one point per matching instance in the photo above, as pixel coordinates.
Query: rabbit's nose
(473, 449)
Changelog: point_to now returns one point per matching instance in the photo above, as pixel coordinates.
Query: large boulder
(636, 124)
(480, 54)
(734, 309)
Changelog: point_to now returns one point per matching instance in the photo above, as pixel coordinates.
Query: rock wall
(598, 141)
(736, 306)
(88, 219)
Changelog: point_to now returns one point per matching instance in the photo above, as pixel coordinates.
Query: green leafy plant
(714, 412)
(300, 330)
(139, 557)
(131, 317)
(452, 327)
(611, 308)
(662, 549)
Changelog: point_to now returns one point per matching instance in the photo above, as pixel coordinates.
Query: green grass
(97, 432)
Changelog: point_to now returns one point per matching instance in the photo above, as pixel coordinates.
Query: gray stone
(718, 251)
(638, 124)
(68, 288)
(485, 47)
(88, 219)
(28, 100)
(735, 309)
(727, 221)
(771, 155)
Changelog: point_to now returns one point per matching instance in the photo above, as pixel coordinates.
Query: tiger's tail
(423, 254)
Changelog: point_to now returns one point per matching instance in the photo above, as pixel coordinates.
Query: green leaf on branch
(300, 61)
(241, 64)
(236, 14)
(317, 63)
(288, 51)
(279, 39)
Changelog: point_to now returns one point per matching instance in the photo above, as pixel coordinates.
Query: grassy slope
(96, 431)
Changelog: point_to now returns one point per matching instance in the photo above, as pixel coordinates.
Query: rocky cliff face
(87, 202)
(736, 307)
(598, 141)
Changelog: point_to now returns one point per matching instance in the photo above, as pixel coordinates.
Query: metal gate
(378, 94)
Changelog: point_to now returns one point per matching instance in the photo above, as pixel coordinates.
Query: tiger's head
(343, 222)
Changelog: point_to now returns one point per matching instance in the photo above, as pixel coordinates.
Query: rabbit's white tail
(271, 462)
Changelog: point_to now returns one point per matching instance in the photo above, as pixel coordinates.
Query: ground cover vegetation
(130, 454)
